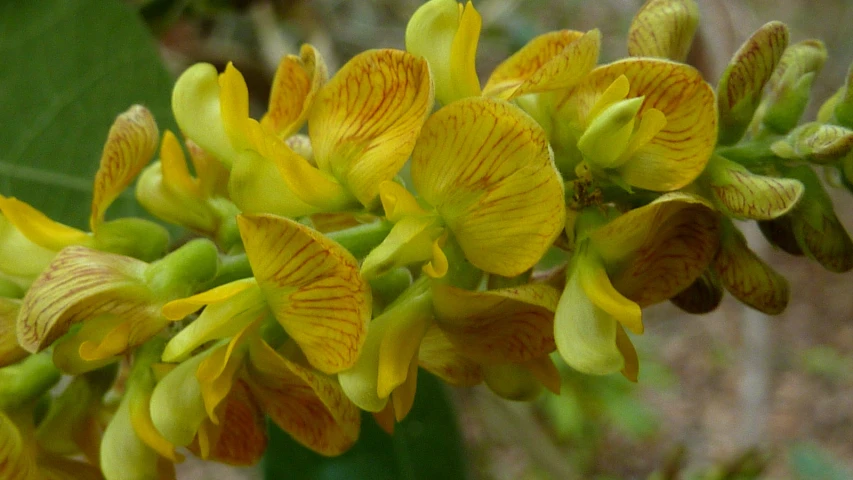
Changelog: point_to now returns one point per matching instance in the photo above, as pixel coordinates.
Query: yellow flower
(200, 203)
(639, 122)
(115, 299)
(130, 145)
(306, 288)
(487, 182)
(503, 336)
(446, 33)
(362, 126)
(642, 257)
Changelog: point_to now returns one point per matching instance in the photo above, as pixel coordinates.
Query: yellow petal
(315, 187)
(584, 333)
(78, 284)
(234, 106)
(296, 83)
(313, 287)
(10, 351)
(398, 202)
(399, 346)
(487, 169)
(677, 153)
(217, 372)
(654, 252)
(411, 240)
(498, 326)
(180, 308)
(746, 276)
(597, 286)
(291, 394)
(256, 186)
(131, 143)
(196, 105)
(177, 406)
(16, 462)
(403, 397)
(21, 259)
(742, 82)
(439, 356)
(548, 62)
(743, 194)
(174, 165)
(664, 29)
(241, 437)
(39, 229)
(446, 34)
(211, 174)
(365, 121)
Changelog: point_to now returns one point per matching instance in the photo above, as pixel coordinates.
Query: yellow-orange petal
(40, 229)
(313, 287)
(197, 109)
(599, 289)
(677, 154)
(632, 362)
(398, 202)
(654, 252)
(256, 186)
(498, 326)
(487, 169)
(296, 83)
(401, 340)
(308, 405)
(234, 106)
(441, 357)
(240, 439)
(740, 87)
(548, 62)
(10, 351)
(663, 29)
(81, 283)
(217, 373)
(131, 143)
(365, 121)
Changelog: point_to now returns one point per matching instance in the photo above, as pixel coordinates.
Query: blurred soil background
(732, 394)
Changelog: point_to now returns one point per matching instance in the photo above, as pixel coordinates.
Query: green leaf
(70, 69)
(425, 446)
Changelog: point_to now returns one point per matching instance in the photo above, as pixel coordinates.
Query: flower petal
(439, 356)
(585, 334)
(365, 121)
(10, 351)
(308, 405)
(702, 296)
(599, 289)
(196, 105)
(746, 276)
(742, 82)
(296, 83)
(548, 62)
(663, 29)
(487, 169)
(411, 240)
(177, 405)
(677, 154)
(313, 287)
(512, 381)
(743, 194)
(81, 283)
(131, 143)
(40, 229)
(446, 34)
(498, 326)
(241, 437)
(654, 252)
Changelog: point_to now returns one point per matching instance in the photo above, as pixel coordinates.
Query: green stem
(362, 239)
(27, 380)
(753, 153)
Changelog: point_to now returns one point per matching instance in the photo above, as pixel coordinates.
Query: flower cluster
(398, 216)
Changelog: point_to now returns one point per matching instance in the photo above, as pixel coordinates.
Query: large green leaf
(69, 68)
(425, 446)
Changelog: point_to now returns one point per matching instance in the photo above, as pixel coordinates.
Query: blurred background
(732, 394)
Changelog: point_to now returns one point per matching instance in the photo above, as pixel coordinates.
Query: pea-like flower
(487, 181)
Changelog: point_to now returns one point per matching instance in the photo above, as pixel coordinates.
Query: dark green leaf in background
(425, 446)
(69, 68)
